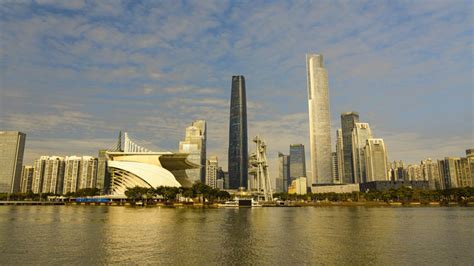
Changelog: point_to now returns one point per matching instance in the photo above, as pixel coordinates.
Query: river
(260, 236)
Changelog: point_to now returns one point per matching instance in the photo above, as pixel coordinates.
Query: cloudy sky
(74, 73)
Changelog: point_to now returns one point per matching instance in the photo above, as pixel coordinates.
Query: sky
(74, 73)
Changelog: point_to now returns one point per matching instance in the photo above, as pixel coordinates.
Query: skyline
(72, 77)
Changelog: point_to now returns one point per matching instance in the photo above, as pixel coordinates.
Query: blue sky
(74, 73)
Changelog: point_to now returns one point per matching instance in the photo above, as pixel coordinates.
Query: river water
(261, 236)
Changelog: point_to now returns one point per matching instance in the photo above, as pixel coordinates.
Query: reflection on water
(273, 236)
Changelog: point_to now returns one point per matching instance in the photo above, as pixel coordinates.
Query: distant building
(26, 179)
(238, 139)
(414, 172)
(297, 162)
(449, 170)
(37, 182)
(212, 167)
(12, 146)
(360, 134)
(397, 171)
(335, 177)
(284, 171)
(387, 185)
(103, 179)
(336, 188)
(194, 144)
(348, 121)
(298, 186)
(339, 157)
(319, 120)
(220, 184)
(376, 160)
(53, 175)
(430, 173)
(72, 173)
(88, 174)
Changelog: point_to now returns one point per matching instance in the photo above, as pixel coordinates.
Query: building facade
(12, 146)
(319, 120)
(72, 171)
(88, 173)
(26, 178)
(102, 180)
(430, 173)
(284, 162)
(212, 168)
(297, 162)
(339, 157)
(53, 175)
(37, 182)
(376, 160)
(194, 144)
(348, 121)
(238, 138)
(360, 134)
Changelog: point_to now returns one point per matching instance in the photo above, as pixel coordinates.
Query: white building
(376, 160)
(319, 120)
(360, 134)
(194, 144)
(298, 186)
(211, 171)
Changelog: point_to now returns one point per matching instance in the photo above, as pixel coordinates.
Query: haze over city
(74, 73)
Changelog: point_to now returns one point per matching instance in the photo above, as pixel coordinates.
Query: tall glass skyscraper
(319, 120)
(238, 146)
(284, 171)
(12, 146)
(297, 162)
(348, 121)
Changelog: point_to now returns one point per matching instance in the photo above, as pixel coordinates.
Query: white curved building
(147, 169)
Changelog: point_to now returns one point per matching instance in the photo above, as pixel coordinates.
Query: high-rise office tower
(238, 140)
(360, 134)
(194, 143)
(319, 120)
(212, 167)
(376, 160)
(37, 182)
(53, 175)
(26, 178)
(102, 180)
(297, 162)
(88, 173)
(12, 146)
(284, 171)
(348, 121)
(340, 156)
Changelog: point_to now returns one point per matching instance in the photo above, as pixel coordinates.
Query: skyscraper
(12, 146)
(88, 173)
(284, 162)
(238, 140)
(297, 162)
(360, 134)
(348, 121)
(376, 160)
(340, 156)
(37, 182)
(319, 120)
(194, 143)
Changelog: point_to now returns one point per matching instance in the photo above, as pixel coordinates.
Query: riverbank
(267, 204)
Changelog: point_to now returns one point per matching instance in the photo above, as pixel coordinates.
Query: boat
(241, 203)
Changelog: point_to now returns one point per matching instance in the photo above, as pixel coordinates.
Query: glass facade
(238, 146)
(348, 121)
(12, 145)
(297, 162)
